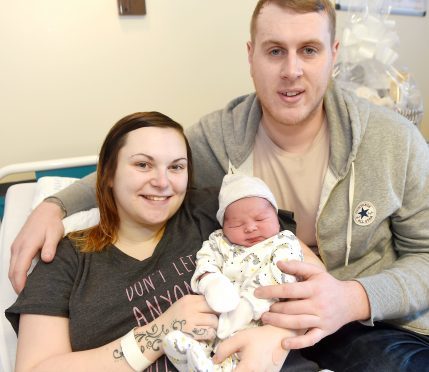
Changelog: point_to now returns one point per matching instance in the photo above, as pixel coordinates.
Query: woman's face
(151, 176)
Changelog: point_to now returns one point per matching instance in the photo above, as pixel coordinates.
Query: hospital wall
(70, 69)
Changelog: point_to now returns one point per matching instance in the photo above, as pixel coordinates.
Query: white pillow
(49, 185)
(81, 220)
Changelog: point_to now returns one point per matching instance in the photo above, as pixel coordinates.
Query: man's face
(291, 60)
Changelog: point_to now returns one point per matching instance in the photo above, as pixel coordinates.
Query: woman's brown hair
(95, 239)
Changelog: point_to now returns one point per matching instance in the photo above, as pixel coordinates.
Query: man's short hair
(298, 6)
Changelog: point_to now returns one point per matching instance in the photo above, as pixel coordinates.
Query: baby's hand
(220, 293)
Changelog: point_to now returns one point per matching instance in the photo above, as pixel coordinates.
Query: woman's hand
(42, 231)
(192, 315)
(259, 349)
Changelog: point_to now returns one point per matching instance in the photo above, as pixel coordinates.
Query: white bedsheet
(18, 199)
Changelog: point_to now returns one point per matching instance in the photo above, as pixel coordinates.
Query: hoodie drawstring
(349, 224)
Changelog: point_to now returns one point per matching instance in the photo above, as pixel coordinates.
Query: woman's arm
(44, 345)
(44, 341)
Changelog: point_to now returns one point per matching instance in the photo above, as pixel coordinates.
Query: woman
(131, 270)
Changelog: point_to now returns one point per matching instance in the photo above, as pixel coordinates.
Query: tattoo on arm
(118, 354)
(199, 332)
(177, 325)
(152, 339)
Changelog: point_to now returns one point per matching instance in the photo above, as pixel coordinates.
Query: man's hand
(259, 349)
(42, 231)
(319, 303)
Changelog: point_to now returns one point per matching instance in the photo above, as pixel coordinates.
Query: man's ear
(250, 51)
(335, 47)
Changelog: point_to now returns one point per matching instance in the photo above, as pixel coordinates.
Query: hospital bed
(46, 177)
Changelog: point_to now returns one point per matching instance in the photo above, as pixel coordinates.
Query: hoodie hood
(238, 138)
(240, 120)
(347, 117)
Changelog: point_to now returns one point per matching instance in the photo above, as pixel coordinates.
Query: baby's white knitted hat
(239, 186)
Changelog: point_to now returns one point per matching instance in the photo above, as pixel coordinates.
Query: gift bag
(367, 62)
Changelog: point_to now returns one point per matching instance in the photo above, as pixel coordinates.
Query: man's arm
(79, 196)
(400, 290)
(43, 229)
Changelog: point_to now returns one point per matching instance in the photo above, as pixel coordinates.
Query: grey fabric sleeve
(79, 196)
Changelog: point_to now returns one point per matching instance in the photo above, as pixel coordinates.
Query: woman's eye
(143, 165)
(177, 167)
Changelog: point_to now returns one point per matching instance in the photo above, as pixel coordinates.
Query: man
(356, 176)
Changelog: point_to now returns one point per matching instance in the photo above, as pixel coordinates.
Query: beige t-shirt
(294, 178)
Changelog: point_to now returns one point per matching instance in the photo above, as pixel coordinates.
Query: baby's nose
(250, 228)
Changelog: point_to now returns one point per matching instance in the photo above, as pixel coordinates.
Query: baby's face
(248, 221)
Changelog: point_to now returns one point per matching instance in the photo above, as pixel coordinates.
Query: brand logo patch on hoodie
(364, 213)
